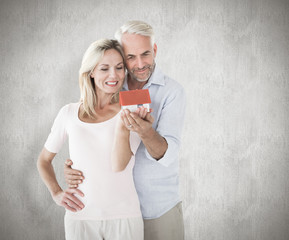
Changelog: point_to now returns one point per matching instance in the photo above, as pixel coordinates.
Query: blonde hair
(91, 58)
(135, 27)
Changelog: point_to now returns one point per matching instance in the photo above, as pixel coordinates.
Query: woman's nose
(112, 73)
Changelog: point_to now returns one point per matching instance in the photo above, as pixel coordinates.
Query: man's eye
(146, 54)
(119, 68)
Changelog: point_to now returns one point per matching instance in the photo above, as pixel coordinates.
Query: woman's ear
(92, 72)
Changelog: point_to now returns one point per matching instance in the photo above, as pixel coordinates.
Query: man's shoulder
(167, 81)
(172, 83)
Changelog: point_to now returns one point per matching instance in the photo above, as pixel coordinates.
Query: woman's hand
(141, 114)
(68, 200)
(135, 121)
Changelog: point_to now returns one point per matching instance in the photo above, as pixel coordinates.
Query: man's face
(139, 56)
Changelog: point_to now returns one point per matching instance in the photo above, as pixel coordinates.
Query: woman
(102, 147)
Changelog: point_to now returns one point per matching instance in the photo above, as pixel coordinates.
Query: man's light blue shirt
(157, 182)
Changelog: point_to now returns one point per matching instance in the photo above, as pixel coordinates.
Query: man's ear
(155, 50)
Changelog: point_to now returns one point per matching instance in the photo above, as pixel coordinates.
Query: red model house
(135, 98)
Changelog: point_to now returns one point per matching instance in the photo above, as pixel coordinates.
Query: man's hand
(141, 112)
(155, 144)
(67, 199)
(138, 121)
(72, 177)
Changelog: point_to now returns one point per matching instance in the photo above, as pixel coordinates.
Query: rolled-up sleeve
(170, 125)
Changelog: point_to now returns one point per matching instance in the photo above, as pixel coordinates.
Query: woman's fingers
(76, 191)
(71, 204)
(131, 122)
(70, 201)
(127, 120)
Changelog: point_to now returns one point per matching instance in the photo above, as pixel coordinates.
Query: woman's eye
(119, 68)
(104, 69)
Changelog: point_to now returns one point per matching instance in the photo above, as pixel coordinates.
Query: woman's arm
(121, 152)
(62, 198)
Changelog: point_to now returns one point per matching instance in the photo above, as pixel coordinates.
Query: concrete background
(231, 56)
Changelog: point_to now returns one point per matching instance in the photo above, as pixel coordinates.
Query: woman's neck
(103, 100)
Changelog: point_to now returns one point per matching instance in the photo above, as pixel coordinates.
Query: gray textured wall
(232, 58)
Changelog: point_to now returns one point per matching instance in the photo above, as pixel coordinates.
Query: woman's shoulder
(69, 109)
(70, 106)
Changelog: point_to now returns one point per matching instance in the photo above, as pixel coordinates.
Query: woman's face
(109, 73)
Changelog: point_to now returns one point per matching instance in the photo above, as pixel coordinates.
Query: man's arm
(163, 143)
(155, 144)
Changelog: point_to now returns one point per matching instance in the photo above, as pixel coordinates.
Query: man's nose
(140, 63)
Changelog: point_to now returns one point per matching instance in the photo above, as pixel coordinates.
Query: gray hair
(135, 27)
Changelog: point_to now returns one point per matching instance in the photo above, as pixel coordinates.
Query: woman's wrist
(123, 131)
(54, 192)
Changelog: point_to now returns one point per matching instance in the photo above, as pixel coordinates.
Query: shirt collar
(157, 78)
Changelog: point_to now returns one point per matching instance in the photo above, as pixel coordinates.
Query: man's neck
(133, 84)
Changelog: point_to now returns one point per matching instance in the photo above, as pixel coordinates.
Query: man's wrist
(147, 135)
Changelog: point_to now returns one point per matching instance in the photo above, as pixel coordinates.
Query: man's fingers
(135, 118)
(142, 112)
(70, 171)
(137, 111)
(73, 177)
(149, 118)
(68, 163)
(73, 182)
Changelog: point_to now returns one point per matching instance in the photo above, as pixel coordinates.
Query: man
(157, 159)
